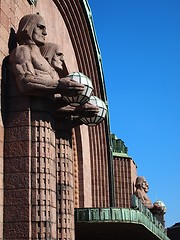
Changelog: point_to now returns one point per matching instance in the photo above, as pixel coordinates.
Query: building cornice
(121, 219)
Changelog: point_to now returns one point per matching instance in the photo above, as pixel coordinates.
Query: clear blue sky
(140, 47)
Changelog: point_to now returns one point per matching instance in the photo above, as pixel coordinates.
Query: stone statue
(34, 75)
(37, 80)
(54, 56)
(142, 188)
(45, 145)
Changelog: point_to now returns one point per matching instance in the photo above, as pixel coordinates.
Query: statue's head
(32, 30)
(141, 183)
(53, 54)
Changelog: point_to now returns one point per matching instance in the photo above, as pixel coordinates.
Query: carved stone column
(17, 162)
(43, 173)
(39, 182)
(65, 180)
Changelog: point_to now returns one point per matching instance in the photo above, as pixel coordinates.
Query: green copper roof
(118, 145)
(123, 155)
(122, 216)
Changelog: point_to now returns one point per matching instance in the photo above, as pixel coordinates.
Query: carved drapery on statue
(38, 138)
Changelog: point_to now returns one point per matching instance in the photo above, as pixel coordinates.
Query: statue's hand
(156, 206)
(69, 87)
(87, 110)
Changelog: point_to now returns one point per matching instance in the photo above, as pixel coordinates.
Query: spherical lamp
(99, 117)
(162, 205)
(88, 88)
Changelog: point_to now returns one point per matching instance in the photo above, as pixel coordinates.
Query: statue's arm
(144, 198)
(27, 80)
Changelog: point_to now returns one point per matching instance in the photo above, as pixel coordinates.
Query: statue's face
(57, 60)
(145, 186)
(39, 33)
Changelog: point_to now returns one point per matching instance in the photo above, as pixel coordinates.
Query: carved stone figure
(142, 188)
(37, 140)
(55, 57)
(53, 54)
(33, 73)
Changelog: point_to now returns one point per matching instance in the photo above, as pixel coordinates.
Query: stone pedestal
(38, 166)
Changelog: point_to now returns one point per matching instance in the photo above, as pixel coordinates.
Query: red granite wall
(84, 168)
(124, 179)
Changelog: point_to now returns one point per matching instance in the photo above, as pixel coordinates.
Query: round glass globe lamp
(160, 203)
(100, 116)
(88, 88)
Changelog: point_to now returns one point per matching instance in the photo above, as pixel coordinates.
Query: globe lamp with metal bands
(100, 116)
(88, 88)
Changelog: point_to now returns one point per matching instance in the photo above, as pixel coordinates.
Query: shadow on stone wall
(5, 73)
